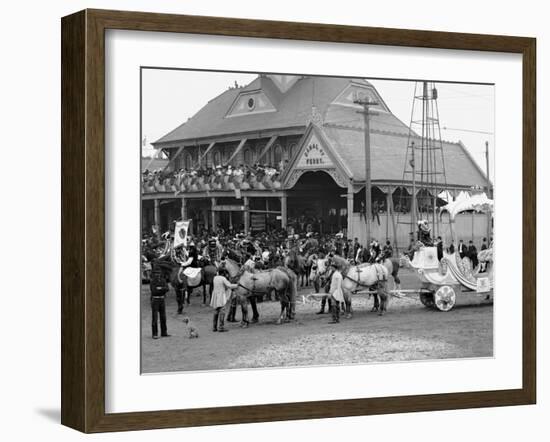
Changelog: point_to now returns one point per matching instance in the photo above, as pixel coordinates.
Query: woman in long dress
(221, 293)
(336, 294)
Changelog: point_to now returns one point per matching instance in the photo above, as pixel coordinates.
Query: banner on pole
(180, 233)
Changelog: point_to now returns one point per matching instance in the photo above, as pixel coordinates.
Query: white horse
(365, 276)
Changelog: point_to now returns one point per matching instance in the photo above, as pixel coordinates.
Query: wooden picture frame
(83, 220)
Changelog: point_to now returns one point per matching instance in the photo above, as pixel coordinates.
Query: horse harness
(381, 277)
(253, 290)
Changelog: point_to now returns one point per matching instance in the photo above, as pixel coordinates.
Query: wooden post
(183, 209)
(213, 203)
(413, 197)
(205, 218)
(246, 215)
(489, 195)
(349, 197)
(473, 221)
(184, 214)
(266, 213)
(156, 214)
(394, 224)
(283, 211)
(388, 198)
(435, 218)
(366, 103)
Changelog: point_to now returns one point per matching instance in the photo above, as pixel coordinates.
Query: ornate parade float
(443, 280)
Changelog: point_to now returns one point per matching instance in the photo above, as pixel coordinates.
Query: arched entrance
(316, 203)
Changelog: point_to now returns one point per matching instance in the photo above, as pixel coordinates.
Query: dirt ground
(409, 331)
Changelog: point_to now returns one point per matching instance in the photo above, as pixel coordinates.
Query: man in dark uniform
(484, 244)
(348, 250)
(214, 251)
(158, 287)
(193, 258)
(424, 233)
(472, 253)
(439, 245)
(387, 251)
(462, 249)
(374, 251)
(325, 299)
(452, 247)
(356, 247)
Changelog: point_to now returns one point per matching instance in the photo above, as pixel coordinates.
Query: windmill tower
(424, 162)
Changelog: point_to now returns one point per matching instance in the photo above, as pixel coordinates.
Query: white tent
(464, 202)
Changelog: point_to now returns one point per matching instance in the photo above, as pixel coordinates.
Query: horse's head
(404, 261)
(341, 263)
(231, 267)
(319, 269)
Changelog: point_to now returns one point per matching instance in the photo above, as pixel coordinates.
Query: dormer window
(250, 102)
(356, 91)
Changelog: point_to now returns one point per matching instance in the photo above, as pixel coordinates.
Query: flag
(180, 233)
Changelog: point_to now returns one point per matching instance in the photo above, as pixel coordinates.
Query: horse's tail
(293, 291)
(395, 269)
(293, 283)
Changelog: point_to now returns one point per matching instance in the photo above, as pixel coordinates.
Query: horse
(317, 271)
(311, 245)
(298, 264)
(370, 276)
(319, 276)
(174, 273)
(235, 255)
(250, 284)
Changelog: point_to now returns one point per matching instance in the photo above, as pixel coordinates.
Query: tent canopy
(465, 202)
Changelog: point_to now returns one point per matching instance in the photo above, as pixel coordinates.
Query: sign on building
(314, 156)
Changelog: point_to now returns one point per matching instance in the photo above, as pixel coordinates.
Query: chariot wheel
(427, 299)
(445, 298)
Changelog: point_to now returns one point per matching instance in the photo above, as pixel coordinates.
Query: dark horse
(298, 263)
(252, 284)
(174, 273)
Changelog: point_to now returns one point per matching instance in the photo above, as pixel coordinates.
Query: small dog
(192, 332)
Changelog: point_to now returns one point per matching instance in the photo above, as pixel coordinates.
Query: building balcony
(229, 183)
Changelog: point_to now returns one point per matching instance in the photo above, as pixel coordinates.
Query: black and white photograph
(295, 220)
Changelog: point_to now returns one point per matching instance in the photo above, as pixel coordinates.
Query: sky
(466, 111)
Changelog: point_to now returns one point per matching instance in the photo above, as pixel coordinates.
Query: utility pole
(413, 197)
(488, 191)
(367, 113)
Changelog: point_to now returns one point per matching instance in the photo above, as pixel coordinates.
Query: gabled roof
(388, 152)
(315, 134)
(294, 109)
(341, 126)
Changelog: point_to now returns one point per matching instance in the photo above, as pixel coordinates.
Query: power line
(468, 130)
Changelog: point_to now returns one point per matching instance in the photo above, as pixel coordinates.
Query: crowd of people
(254, 252)
(266, 249)
(227, 177)
(269, 249)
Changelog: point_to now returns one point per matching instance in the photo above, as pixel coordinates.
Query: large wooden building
(309, 128)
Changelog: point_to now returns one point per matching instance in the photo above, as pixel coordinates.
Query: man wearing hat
(258, 264)
(221, 293)
(214, 250)
(336, 293)
(249, 264)
(193, 257)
